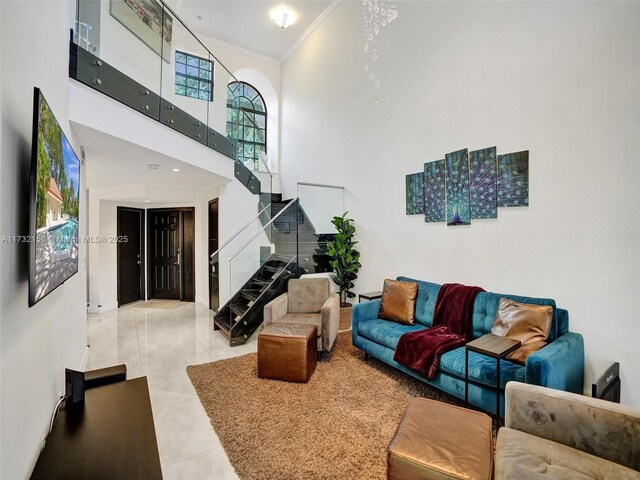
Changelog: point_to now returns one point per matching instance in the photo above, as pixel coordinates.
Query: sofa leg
(366, 356)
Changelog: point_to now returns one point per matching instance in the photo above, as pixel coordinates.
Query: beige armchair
(554, 434)
(308, 302)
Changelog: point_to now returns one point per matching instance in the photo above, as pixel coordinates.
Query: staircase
(297, 249)
(242, 315)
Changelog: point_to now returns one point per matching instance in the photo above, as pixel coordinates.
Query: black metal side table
(492, 346)
(369, 296)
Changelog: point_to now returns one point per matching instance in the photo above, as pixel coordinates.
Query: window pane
(180, 80)
(259, 136)
(180, 90)
(192, 92)
(260, 121)
(193, 71)
(248, 150)
(258, 105)
(206, 86)
(205, 75)
(249, 92)
(181, 68)
(248, 134)
(245, 103)
(192, 83)
(192, 61)
(181, 57)
(205, 64)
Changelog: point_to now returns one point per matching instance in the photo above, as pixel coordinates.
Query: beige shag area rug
(337, 426)
(161, 304)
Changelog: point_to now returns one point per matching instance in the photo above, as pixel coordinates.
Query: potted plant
(345, 263)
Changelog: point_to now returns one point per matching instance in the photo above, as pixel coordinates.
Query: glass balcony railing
(141, 54)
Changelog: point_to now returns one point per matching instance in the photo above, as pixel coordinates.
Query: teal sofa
(558, 365)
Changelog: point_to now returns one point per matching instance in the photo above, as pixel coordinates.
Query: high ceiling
(247, 24)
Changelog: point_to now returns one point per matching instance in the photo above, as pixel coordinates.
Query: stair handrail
(238, 232)
(293, 200)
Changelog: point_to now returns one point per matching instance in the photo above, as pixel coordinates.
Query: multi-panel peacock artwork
(469, 185)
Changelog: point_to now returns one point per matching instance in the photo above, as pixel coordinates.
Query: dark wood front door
(214, 280)
(171, 253)
(130, 255)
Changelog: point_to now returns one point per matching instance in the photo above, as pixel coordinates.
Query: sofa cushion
(398, 301)
(303, 319)
(385, 332)
(482, 369)
(527, 457)
(426, 300)
(307, 295)
(529, 324)
(486, 305)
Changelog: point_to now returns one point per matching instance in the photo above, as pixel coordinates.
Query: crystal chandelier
(377, 14)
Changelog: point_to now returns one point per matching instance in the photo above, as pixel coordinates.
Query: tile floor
(160, 344)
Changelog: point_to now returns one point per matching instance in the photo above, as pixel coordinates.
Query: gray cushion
(523, 456)
(307, 295)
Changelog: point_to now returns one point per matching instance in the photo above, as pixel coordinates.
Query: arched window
(247, 122)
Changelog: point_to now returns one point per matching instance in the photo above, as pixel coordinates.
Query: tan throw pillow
(399, 301)
(525, 322)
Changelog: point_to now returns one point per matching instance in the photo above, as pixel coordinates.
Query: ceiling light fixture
(283, 16)
(147, 201)
(175, 169)
(153, 166)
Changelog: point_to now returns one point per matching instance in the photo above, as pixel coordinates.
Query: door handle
(178, 262)
(138, 262)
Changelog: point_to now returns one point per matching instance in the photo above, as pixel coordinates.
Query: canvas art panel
(513, 179)
(457, 188)
(434, 194)
(484, 188)
(148, 21)
(415, 193)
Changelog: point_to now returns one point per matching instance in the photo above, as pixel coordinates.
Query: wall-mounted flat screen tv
(55, 202)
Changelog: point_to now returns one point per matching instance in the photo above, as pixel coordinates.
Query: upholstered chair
(308, 301)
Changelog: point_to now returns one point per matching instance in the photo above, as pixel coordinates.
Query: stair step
(250, 294)
(223, 323)
(261, 281)
(273, 269)
(239, 309)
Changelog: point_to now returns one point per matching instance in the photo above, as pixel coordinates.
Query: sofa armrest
(559, 365)
(605, 429)
(276, 309)
(363, 311)
(330, 314)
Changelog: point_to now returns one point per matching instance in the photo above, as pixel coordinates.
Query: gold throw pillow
(399, 301)
(525, 322)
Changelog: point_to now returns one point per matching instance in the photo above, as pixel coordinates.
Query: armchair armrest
(559, 365)
(330, 314)
(605, 429)
(364, 311)
(276, 309)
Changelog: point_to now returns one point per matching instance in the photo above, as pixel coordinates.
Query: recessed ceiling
(248, 24)
(113, 162)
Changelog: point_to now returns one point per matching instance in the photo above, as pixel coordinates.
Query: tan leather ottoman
(439, 441)
(287, 352)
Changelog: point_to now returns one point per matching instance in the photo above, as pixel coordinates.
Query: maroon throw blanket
(421, 351)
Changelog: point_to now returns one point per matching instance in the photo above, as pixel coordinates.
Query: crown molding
(244, 51)
(316, 23)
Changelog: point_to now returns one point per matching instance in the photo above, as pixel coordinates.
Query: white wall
(558, 79)
(36, 343)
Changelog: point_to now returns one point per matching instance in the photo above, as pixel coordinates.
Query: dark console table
(492, 346)
(111, 436)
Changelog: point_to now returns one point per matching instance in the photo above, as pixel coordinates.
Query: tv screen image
(55, 201)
